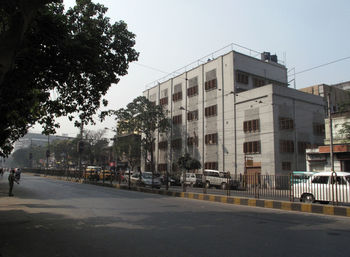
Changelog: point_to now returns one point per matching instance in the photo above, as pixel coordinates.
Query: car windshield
(224, 174)
(147, 175)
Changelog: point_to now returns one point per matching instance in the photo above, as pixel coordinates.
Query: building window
(252, 147)
(286, 166)
(162, 167)
(192, 91)
(177, 96)
(286, 123)
(241, 77)
(286, 146)
(211, 111)
(251, 126)
(211, 165)
(192, 141)
(177, 119)
(163, 101)
(211, 84)
(257, 82)
(153, 98)
(318, 129)
(192, 115)
(163, 145)
(302, 146)
(176, 143)
(211, 139)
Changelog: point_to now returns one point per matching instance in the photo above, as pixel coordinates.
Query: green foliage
(55, 63)
(129, 147)
(96, 149)
(143, 117)
(186, 162)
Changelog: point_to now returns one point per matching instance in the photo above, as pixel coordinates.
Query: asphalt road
(57, 218)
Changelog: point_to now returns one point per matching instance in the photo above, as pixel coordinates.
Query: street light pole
(330, 131)
(47, 152)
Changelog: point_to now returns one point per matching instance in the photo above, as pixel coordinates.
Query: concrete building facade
(338, 95)
(235, 113)
(318, 159)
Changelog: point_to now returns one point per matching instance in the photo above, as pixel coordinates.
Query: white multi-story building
(236, 113)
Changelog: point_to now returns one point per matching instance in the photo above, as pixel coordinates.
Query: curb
(272, 204)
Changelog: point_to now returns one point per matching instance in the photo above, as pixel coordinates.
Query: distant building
(318, 159)
(36, 139)
(343, 85)
(235, 113)
(338, 94)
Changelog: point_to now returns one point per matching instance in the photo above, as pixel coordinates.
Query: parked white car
(324, 187)
(191, 179)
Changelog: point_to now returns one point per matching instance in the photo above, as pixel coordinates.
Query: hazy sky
(172, 34)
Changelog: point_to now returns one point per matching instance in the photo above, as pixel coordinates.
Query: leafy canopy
(57, 63)
(186, 162)
(143, 117)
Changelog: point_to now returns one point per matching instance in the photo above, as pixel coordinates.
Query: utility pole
(330, 131)
(80, 146)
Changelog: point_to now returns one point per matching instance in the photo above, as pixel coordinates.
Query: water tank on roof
(267, 57)
(274, 58)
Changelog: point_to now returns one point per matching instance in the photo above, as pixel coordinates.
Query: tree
(21, 157)
(143, 117)
(96, 150)
(65, 151)
(129, 147)
(57, 63)
(187, 163)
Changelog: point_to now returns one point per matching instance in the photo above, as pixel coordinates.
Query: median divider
(343, 211)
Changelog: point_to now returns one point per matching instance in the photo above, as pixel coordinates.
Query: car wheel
(224, 186)
(308, 198)
(207, 184)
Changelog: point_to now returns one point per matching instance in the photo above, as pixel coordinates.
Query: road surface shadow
(172, 233)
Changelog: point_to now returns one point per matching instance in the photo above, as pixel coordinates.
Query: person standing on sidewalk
(12, 180)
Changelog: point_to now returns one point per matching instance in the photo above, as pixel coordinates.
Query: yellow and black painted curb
(272, 204)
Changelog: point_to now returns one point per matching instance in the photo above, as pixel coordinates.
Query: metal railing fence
(335, 190)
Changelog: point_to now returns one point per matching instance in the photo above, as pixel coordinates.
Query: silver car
(146, 180)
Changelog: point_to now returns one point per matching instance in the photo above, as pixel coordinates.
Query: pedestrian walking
(12, 180)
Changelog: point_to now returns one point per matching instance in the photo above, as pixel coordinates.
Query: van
(324, 187)
(220, 179)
